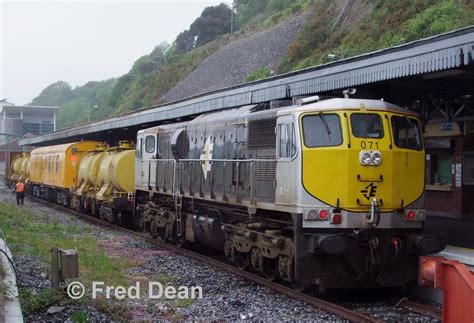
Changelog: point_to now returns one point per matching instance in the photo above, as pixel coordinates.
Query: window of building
(440, 166)
(33, 128)
(365, 125)
(322, 130)
(287, 140)
(46, 126)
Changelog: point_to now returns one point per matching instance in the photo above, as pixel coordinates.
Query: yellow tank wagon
(115, 183)
(87, 177)
(54, 170)
(18, 168)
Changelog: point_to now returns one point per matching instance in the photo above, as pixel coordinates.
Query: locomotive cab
(361, 183)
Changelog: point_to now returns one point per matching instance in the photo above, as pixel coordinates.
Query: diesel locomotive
(322, 193)
(328, 193)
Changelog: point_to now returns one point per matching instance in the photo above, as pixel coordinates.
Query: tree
(214, 21)
(184, 42)
(247, 9)
(54, 94)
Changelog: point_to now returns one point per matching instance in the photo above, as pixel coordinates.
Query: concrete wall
(12, 126)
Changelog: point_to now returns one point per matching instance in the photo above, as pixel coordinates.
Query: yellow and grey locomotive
(326, 193)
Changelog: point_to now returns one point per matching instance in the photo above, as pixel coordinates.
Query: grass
(184, 303)
(80, 316)
(32, 302)
(34, 235)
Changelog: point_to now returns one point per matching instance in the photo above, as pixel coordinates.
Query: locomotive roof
(323, 105)
(346, 104)
(227, 114)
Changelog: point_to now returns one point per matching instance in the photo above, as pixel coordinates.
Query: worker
(20, 192)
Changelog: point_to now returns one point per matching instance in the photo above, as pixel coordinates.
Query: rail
(421, 308)
(346, 313)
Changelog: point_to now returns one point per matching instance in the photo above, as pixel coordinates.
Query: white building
(19, 120)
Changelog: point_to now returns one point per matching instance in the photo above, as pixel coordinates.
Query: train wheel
(242, 260)
(299, 286)
(270, 270)
(153, 230)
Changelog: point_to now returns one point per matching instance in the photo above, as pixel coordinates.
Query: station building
(18, 120)
(22, 122)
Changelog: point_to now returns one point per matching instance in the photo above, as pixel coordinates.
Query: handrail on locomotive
(178, 169)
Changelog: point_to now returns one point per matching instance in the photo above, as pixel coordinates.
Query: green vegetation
(254, 15)
(383, 24)
(213, 22)
(76, 104)
(32, 302)
(80, 317)
(332, 32)
(184, 303)
(32, 235)
(259, 74)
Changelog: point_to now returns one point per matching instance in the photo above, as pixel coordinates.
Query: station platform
(455, 232)
(10, 308)
(463, 255)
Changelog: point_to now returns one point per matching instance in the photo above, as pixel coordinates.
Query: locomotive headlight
(365, 158)
(421, 216)
(376, 158)
(312, 215)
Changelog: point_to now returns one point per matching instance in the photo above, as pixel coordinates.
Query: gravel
(381, 310)
(225, 296)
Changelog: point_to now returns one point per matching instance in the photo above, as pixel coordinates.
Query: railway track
(346, 313)
(421, 308)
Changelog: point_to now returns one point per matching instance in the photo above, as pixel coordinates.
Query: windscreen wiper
(325, 123)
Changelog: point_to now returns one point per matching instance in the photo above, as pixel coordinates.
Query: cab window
(406, 132)
(366, 125)
(322, 130)
(139, 148)
(287, 140)
(150, 144)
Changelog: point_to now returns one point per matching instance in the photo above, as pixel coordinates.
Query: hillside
(270, 37)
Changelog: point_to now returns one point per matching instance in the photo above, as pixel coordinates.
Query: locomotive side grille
(261, 133)
(265, 171)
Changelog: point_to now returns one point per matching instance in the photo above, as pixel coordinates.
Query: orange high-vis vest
(20, 187)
